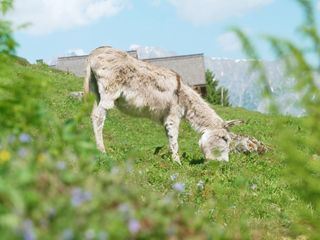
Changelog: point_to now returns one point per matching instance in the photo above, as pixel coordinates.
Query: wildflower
(79, 196)
(24, 138)
(4, 156)
(41, 157)
(28, 230)
(67, 234)
(179, 187)
(174, 176)
(61, 165)
(134, 226)
(124, 208)
(200, 185)
(22, 152)
(253, 186)
(89, 234)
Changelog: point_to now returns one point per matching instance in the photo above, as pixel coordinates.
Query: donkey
(142, 88)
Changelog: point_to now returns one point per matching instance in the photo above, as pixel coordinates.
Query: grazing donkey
(138, 87)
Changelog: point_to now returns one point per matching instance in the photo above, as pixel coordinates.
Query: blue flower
(24, 138)
(179, 187)
(79, 196)
(67, 234)
(61, 165)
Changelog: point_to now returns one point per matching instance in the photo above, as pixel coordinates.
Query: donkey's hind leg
(99, 112)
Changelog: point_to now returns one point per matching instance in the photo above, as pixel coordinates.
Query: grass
(248, 196)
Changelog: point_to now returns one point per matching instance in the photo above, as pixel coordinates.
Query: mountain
(246, 91)
(145, 52)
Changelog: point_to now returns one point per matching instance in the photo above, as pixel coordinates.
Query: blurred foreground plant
(7, 42)
(301, 63)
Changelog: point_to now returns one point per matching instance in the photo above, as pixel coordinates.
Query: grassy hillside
(140, 193)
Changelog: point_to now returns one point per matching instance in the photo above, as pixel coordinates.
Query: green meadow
(55, 185)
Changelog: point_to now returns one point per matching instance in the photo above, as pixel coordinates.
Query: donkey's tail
(89, 77)
(90, 83)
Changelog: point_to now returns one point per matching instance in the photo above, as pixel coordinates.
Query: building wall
(190, 67)
(77, 64)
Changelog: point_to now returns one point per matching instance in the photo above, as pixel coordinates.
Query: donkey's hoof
(177, 161)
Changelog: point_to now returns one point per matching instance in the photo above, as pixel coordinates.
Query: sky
(75, 27)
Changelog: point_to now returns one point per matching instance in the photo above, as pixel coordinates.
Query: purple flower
(24, 138)
(79, 196)
(179, 187)
(28, 230)
(134, 226)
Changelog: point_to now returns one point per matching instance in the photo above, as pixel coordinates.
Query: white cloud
(229, 42)
(151, 52)
(318, 5)
(208, 11)
(47, 16)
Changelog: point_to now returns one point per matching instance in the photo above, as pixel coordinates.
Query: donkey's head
(215, 143)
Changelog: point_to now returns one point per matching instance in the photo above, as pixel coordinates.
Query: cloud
(318, 5)
(229, 42)
(151, 52)
(207, 11)
(46, 16)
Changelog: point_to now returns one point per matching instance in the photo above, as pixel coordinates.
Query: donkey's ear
(231, 123)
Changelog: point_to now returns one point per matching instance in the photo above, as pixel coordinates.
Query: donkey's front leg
(171, 124)
(98, 117)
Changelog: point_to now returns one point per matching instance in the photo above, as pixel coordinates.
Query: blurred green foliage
(301, 64)
(7, 42)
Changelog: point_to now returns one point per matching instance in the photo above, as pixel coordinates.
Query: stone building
(190, 67)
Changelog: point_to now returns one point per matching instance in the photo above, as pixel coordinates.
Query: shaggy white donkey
(138, 87)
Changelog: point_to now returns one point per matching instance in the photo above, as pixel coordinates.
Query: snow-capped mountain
(245, 89)
(145, 52)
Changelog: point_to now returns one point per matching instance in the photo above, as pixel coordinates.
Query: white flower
(174, 176)
(253, 186)
(200, 185)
